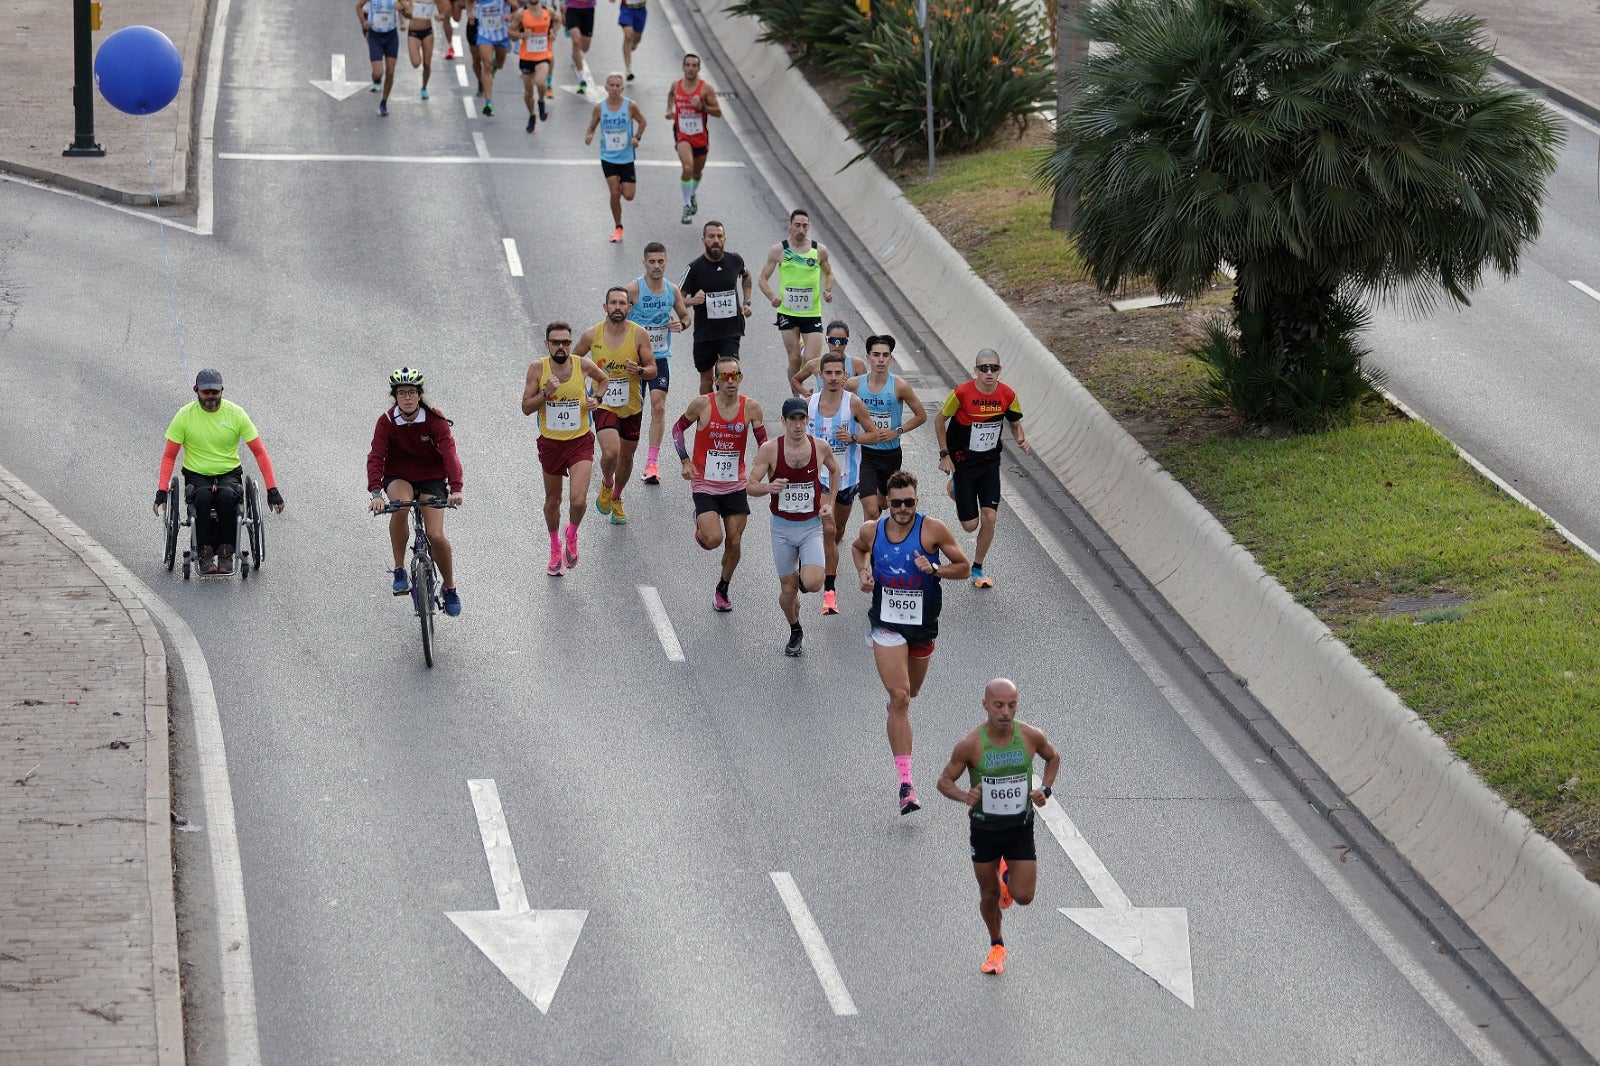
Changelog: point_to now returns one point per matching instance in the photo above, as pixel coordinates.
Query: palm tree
(1330, 151)
(1068, 47)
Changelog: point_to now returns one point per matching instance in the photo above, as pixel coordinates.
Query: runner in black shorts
(710, 287)
(969, 426)
(1000, 795)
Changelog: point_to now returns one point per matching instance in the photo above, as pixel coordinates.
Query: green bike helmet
(405, 376)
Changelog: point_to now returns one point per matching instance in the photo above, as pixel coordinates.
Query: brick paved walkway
(87, 935)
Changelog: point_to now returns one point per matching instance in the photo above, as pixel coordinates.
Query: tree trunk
(1070, 49)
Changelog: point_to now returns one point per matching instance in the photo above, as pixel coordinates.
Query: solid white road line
(520, 161)
(513, 260)
(816, 947)
(658, 616)
(124, 209)
(207, 146)
(509, 893)
(1288, 829)
(1586, 290)
(480, 145)
(472, 112)
(461, 76)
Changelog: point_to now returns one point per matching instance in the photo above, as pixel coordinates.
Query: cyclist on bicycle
(413, 457)
(209, 430)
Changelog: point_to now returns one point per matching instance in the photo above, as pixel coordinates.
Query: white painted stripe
(816, 947)
(1287, 828)
(503, 869)
(455, 43)
(134, 212)
(521, 161)
(206, 149)
(658, 616)
(513, 260)
(1090, 868)
(466, 102)
(1586, 290)
(480, 145)
(337, 68)
(461, 76)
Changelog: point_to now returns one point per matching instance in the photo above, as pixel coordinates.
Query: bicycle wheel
(171, 523)
(422, 599)
(255, 527)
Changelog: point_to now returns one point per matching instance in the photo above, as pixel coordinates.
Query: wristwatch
(1046, 791)
(377, 494)
(943, 454)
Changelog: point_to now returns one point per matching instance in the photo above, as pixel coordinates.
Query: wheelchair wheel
(255, 526)
(171, 524)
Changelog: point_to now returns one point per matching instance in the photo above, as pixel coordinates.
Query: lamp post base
(84, 149)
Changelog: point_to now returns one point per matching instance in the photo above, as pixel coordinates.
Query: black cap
(794, 405)
(208, 379)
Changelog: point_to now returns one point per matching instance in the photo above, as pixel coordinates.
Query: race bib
(883, 420)
(538, 42)
(492, 27)
(615, 140)
(901, 607)
(690, 123)
(380, 16)
(985, 437)
(839, 447)
(797, 299)
(722, 467)
(796, 498)
(721, 304)
(616, 394)
(660, 337)
(423, 9)
(563, 415)
(1005, 795)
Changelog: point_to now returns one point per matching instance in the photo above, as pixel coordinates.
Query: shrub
(989, 69)
(825, 35)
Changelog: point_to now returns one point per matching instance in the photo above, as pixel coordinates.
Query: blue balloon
(138, 70)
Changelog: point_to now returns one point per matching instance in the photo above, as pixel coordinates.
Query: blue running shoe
(402, 583)
(452, 602)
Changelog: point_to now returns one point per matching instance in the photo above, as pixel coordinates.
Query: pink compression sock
(902, 764)
(655, 453)
(555, 541)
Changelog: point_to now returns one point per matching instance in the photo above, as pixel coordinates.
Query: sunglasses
(838, 342)
(735, 376)
(989, 368)
(903, 503)
(562, 343)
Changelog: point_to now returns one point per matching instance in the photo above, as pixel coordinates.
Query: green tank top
(800, 282)
(1004, 778)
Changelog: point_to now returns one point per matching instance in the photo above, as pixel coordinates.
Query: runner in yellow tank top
(557, 388)
(622, 350)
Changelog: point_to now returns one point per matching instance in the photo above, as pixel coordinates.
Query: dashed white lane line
(466, 103)
(1586, 290)
(658, 617)
(816, 947)
(513, 260)
(461, 77)
(480, 145)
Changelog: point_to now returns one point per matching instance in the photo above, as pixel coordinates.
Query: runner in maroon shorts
(556, 388)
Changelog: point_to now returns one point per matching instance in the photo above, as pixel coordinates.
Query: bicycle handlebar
(399, 505)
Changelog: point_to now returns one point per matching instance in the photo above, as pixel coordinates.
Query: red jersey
(420, 450)
(719, 452)
(976, 418)
(689, 115)
(802, 498)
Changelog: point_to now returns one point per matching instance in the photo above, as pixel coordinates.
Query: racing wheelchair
(249, 552)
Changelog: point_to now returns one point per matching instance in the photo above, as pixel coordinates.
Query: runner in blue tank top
(621, 124)
(840, 420)
(659, 307)
(897, 560)
(886, 396)
(494, 42)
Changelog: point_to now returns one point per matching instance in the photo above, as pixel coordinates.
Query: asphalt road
(658, 796)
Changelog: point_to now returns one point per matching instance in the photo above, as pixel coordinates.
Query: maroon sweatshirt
(420, 450)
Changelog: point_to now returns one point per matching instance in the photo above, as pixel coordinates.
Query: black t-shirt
(722, 315)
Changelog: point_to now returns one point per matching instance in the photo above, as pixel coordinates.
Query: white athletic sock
(688, 191)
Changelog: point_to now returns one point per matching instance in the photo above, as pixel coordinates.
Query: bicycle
(425, 581)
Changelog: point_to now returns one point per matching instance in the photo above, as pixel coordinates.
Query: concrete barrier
(1518, 892)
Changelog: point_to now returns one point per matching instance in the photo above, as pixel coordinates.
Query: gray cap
(208, 379)
(794, 405)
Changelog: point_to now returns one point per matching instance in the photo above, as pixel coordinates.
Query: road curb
(1514, 889)
(1565, 97)
(165, 987)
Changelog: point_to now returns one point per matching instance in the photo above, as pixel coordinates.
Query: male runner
(806, 277)
(724, 423)
(897, 559)
(494, 42)
(533, 26)
(447, 12)
(838, 340)
(886, 396)
(556, 388)
(840, 420)
(380, 25)
(719, 312)
(622, 350)
(578, 16)
(659, 308)
(621, 124)
(631, 19)
(690, 101)
(968, 427)
(997, 758)
(419, 37)
(209, 430)
(800, 467)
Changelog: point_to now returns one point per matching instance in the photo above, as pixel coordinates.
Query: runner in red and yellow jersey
(724, 422)
(690, 102)
(534, 26)
(622, 350)
(968, 426)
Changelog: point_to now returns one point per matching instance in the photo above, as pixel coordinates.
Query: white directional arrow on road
(1155, 939)
(336, 86)
(530, 947)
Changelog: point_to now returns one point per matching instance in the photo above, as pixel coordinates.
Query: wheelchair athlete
(413, 456)
(209, 430)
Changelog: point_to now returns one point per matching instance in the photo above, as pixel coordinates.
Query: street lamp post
(927, 74)
(83, 143)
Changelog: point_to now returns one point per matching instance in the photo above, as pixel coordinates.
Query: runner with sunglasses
(898, 561)
(837, 340)
(968, 426)
(723, 421)
(557, 389)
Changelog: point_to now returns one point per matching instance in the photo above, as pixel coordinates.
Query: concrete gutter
(1526, 900)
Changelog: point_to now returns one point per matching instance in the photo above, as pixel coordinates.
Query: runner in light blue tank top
(842, 431)
(616, 133)
(659, 308)
(886, 411)
(621, 126)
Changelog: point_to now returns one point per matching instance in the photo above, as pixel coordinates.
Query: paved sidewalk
(37, 120)
(1554, 43)
(88, 937)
